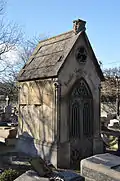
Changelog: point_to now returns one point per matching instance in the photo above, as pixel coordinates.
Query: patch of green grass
(9, 175)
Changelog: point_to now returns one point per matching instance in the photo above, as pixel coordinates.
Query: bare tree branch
(11, 42)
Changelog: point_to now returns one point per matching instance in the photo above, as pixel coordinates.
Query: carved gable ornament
(81, 54)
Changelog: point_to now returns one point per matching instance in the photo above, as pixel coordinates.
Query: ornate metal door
(81, 122)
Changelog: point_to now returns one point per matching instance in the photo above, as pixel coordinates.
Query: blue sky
(49, 18)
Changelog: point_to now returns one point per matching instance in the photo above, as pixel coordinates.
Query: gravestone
(7, 109)
(102, 167)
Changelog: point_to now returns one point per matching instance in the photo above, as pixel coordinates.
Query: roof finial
(78, 25)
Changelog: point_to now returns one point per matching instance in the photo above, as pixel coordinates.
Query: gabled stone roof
(50, 55)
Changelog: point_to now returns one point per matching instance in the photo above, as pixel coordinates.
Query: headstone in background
(7, 100)
(8, 111)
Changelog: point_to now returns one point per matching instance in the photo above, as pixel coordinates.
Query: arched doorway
(80, 122)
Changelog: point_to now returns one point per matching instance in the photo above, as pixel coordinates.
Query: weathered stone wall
(37, 114)
(37, 106)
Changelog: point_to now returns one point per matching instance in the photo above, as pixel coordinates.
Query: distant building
(59, 98)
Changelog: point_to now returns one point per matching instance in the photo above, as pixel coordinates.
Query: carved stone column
(57, 112)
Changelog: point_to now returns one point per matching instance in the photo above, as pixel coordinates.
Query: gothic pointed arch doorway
(81, 122)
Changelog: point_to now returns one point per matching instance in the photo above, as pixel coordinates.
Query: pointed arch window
(81, 110)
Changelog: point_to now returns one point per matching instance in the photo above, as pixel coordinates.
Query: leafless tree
(9, 77)
(10, 39)
(110, 85)
(112, 72)
(28, 47)
(11, 43)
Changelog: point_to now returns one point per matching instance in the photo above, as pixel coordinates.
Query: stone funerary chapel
(59, 99)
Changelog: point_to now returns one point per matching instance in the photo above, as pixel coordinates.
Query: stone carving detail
(81, 54)
(75, 155)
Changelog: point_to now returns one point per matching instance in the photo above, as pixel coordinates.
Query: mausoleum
(59, 99)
